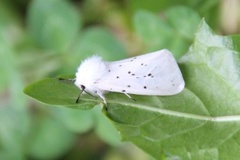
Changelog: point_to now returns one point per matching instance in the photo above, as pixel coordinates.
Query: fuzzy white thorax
(89, 73)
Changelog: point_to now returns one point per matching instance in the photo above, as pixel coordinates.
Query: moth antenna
(67, 80)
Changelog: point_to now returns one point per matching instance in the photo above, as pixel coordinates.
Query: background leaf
(42, 141)
(99, 41)
(95, 41)
(53, 24)
(173, 34)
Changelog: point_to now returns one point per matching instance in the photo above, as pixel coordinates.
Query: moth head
(82, 87)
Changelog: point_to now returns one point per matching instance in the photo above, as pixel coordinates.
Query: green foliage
(202, 121)
(53, 24)
(49, 139)
(42, 38)
(99, 41)
(199, 122)
(56, 92)
(176, 34)
(96, 40)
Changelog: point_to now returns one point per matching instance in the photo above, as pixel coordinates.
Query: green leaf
(175, 33)
(53, 24)
(151, 5)
(105, 130)
(183, 20)
(78, 121)
(58, 92)
(99, 41)
(203, 121)
(155, 33)
(214, 57)
(49, 139)
(94, 41)
(14, 130)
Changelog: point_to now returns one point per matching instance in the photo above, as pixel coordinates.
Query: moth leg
(129, 96)
(77, 100)
(103, 98)
(82, 91)
(79, 96)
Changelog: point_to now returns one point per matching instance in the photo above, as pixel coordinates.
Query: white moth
(155, 73)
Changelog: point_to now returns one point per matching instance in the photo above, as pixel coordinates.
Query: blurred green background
(46, 38)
